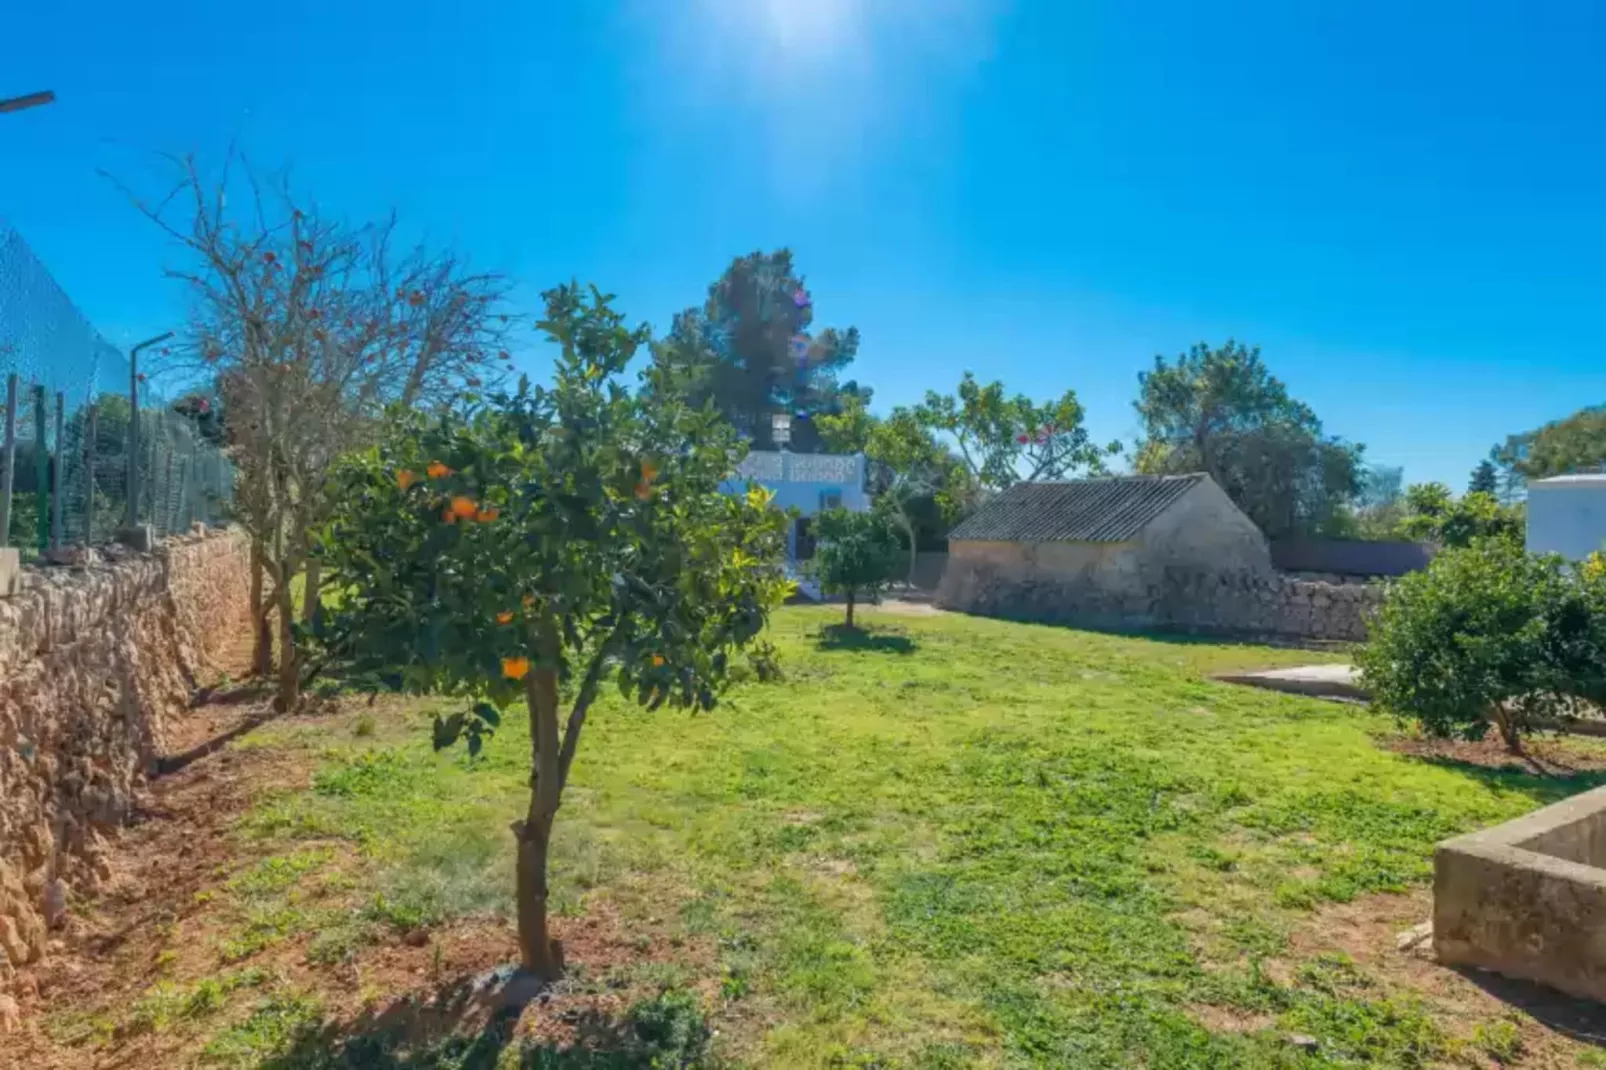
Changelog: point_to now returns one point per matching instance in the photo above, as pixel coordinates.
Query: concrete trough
(1527, 899)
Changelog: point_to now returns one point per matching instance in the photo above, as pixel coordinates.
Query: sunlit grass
(1009, 845)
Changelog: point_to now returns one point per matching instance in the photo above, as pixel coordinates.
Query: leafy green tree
(1221, 411)
(848, 429)
(1379, 508)
(752, 351)
(1485, 479)
(541, 544)
(913, 468)
(1434, 514)
(1576, 443)
(1002, 439)
(857, 556)
(1488, 636)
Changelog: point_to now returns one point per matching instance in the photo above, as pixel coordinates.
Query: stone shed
(1098, 552)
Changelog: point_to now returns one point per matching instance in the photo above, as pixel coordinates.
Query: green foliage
(1434, 514)
(751, 351)
(1221, 411)
(1488, 635)
(578, 528)
(1576, 443)
(1485, 479)
(857, 556)
(1002, 439)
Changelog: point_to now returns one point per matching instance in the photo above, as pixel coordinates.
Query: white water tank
(1567, 516)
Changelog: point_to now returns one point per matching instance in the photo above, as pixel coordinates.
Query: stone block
(1527, 899)
(141, 537)
(10, 571)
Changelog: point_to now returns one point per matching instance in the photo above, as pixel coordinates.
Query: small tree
(1488, 635)
(538, 545)
(1434, 514)
(1002, 440)
(308, 328)
(857, 555)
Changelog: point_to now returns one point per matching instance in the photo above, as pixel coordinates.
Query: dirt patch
(1226, 1020)
(906, 608)
(1545, 756)
(161, 919)
(1555, 1030)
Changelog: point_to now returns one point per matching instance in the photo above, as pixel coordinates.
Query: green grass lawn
(967, 842)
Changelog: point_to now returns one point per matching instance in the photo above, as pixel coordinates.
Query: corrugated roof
(1083, 510)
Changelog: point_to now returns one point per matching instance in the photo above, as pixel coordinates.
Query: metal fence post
(41, 469)
(167, 492)
(8, 459)
(58, 482)
(93, 428)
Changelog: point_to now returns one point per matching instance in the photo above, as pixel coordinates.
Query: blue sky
(1403, 204)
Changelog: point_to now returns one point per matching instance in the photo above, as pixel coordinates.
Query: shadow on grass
(471, 1023)
(1518, 775)
(1578, 1019)
(1174, 636)
(841, 637)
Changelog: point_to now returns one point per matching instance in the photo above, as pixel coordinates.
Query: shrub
(858, 555)
(1489, 635)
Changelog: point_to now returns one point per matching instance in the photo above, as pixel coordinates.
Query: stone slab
(1321, 681)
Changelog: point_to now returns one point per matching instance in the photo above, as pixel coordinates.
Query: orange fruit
(464, 507)
(505, 617)
(644, 489)
(485, 516)
(436, 470)
(657, 660)
(515, 668)
(406, 478)
(649, 471)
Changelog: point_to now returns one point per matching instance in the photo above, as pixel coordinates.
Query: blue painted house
(807, 482)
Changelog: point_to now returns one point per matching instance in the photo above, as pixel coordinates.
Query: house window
(830, 499)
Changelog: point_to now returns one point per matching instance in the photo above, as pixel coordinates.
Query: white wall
(1567, 515)
(799, 480)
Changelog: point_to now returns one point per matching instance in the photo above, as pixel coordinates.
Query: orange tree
(543, 544)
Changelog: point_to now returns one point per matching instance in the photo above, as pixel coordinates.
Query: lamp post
(31, 100)
(131, 517)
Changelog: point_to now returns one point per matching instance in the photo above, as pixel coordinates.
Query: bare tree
(310, 329)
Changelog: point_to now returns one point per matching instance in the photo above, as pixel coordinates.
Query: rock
(55, 903)
(1413, 936)
(1303, 1042)
(10, 1015)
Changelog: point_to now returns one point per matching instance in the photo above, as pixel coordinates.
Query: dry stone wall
(1247, 603)
(95, 665)
(1272, 604)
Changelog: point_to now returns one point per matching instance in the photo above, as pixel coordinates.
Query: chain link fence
(71, 430)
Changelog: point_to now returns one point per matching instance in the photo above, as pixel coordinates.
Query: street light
(134, 377)
(32, 100)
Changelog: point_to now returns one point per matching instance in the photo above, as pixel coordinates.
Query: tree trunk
(539, 953)
(850, 609)
(262, 649)
(914, 553)
(311, 593)
(1507, 724)
(288, 695)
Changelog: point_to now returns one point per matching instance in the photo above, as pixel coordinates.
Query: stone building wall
(95, 663)
(998, 580)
